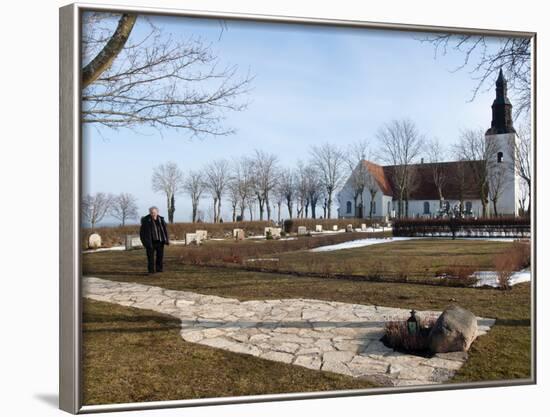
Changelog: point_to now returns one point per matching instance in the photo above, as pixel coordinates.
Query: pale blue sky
(312, 85)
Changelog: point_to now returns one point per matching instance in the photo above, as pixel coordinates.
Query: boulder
(94, 241)
(349, 228)
(302, 230)
(132, 242)
(454, 331)
(202, 234)
(318, 227)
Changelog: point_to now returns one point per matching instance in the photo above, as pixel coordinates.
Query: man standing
(154, 236)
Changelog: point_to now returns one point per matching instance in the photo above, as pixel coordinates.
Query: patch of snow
(359, 243)
(112, 248)
(490, 278)
(263, 259)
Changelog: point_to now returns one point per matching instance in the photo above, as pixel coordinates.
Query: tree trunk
(219, 209)
(171, 209)
(104, 59)
(215, 212)
(329, 205)
(194, 215)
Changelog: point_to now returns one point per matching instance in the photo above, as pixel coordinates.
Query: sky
(311, 85)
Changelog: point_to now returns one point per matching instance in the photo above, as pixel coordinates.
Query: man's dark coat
(146, 231)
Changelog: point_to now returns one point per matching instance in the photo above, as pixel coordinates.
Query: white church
(460, 188)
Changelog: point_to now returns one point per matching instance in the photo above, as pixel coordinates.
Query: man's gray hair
(153, 208)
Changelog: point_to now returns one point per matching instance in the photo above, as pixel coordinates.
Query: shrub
(397, 336)
(510, 261)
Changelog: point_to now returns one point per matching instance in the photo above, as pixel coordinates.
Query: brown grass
(133, 355)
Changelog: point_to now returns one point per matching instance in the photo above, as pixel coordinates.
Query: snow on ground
(359, 243)
(112, 248)
(490, 278)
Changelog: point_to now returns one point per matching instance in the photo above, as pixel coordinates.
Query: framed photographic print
(256, 208)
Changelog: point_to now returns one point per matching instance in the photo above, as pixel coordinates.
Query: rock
(94, 241)
(302, 230)
(454, 331)
(335, 227)
(349, 228)
(363, 227)
(318, 227)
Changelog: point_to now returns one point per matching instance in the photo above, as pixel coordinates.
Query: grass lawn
(422, 258)
(504, 353)
(133, 355)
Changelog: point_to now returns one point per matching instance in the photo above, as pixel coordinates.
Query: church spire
(502, 109)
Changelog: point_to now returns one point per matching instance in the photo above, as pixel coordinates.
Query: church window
(426, 207)
(348, 207)
(500, 155)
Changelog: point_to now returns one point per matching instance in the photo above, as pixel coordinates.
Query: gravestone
(132, 242)
(302, 230)
(238, 234)
(94, 241)
(202, 234)
(191, 238)
(275, 232)
(335, 228)
(349, 228)
(363, 227)
(318, 227)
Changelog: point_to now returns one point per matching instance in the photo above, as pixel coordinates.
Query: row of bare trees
(95, 207)
(257, 183)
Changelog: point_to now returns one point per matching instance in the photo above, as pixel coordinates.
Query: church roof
(459, 175)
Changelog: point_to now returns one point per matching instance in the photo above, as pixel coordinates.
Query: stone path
(331, 336)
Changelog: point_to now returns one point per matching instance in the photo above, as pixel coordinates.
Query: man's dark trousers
(155, 251)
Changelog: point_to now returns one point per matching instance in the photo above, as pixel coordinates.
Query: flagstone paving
(316, 334)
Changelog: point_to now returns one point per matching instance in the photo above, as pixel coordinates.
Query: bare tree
(400, 144)
(329, 160)
(436, 155)
(476, 152)
(484, 60)
(194, 186)
(524, 196)
(523, 161)
(168, 179)
(356, 157)
(217, 181)
(497, 179)
(234, 197)
(287, 188)
(302, 197)
(95, 207)
(265, 171)
(135, 74)
(124, 207)
(313, 187)
(242, 178)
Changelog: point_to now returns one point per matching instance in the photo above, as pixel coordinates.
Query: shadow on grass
(514, 322)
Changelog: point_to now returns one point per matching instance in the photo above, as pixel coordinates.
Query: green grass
(504, 353)
(133, 355)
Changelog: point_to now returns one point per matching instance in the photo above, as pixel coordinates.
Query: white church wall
(508, 201)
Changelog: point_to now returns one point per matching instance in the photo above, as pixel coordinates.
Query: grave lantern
(412, 323)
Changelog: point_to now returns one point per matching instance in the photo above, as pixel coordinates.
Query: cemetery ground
(139, 355)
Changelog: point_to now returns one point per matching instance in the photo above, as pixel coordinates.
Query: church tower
(500, 145)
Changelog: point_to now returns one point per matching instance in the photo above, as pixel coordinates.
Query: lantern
(412, 323)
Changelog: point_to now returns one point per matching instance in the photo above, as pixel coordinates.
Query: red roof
(459, 176)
